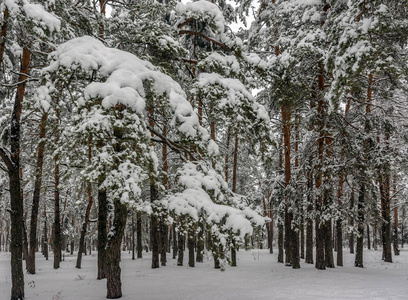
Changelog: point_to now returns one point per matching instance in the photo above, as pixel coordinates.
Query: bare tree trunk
(180, 248)
(45, 243)
(280, 225)
(191, 244)
(30, 262)
(200, 244)
(139, 235)
(234, 190)
(102, 225)
(175, 242)
(113, 252)
(339, 237)
(57, 218)
(386, 214)
(280, 243)
(84, 226)
(12, 163)
(227, 153)
(351, 234)
(133, 235)
(395, 229)
(360, 238)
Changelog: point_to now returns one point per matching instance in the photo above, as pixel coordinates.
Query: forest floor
(258, 276)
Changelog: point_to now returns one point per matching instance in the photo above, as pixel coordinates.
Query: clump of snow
(43, 17)
(126, 76)
(203, 198)
(202, 8)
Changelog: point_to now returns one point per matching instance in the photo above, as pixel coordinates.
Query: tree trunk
(386, 215)
(360, 238)
(102, 225)
(57, 218)
(139, 235)
(320, 260)
(45, 243)
(227, 153)
(175, 242)
(309, 242)
(113, 252)
(163, 242)
(12, 163)
(368, 237)
(351, 222)
(191, 244)
(180, 248)
(30, 261)
(328, 244)
(302, 238)
(200, 243)
(154, 236)
(234, 190)
(280, 243)
(133, 235)
(339, 237)
(395, 229)
(85, 225)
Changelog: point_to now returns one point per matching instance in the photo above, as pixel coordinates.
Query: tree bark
(12, 163)
(102, 225)
(200, 244)
(191, 244)
(280, 243)
(30, 261)
(139, 235)
(163, 242)
(360, 238)
(395, 229)
(386, 215)
(180, 248)
(57, 240)
(45, 242)
(339, 237)
(113, 252)
(84, 226)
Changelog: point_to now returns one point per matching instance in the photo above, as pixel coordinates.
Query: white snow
(43, 17)
(202, 8)
(125, 77)
(258, 276)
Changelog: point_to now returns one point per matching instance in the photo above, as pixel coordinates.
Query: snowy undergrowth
(258, 276)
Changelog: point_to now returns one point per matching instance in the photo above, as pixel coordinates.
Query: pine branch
(171, 144)
(205, 37)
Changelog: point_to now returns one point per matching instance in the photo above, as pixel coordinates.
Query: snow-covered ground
(258, 276)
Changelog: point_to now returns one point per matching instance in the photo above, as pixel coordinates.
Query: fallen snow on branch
(126, 77)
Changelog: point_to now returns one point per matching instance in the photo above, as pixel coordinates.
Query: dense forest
(155, 126)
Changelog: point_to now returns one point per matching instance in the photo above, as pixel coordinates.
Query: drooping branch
(205, 37)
